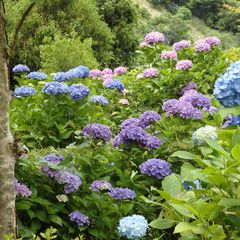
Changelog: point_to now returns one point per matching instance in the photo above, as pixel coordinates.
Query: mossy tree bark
(7, 159)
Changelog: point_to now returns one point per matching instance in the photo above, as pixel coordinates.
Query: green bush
(184, 13)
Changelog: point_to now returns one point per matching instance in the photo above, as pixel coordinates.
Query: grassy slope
(197, 28)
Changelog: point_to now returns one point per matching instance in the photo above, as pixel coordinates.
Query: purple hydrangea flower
(120, 70)
(79, 218)
(182, 108)
(71, 181)
(154, 37)
(95, 73)
(97, 131)
(21, 189)
(202, 46)
(21, 68)
(178, 46)
(149, 73)
(190, 86)
(122, 193)
(78, 91)
(129, 121)
(99, 99)
(213, 41)
(156, 168)
(154, 142)
(184, 64)
(131, 134)
(37, 75)
(148, 118)
(101, 185)
(23, 91)
(61, 77)
(115, 84)
(55, 88)
(107, 71)
(168, 55)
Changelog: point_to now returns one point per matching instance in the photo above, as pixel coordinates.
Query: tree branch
(18, 28)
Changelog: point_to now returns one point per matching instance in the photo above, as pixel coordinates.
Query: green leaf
(183, 155)
(186, 226)
(229, 202)
(235, 152)
(162, 223)
(236, 137)
(55, 219)
(183, 210)
(23, 205)
(172, 185)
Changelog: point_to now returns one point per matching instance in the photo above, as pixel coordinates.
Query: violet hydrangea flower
(184, 64)
(130, 121)
(107, 71)
(178, 46)
(154, 142)
(213, 41)
(23, 91)
(169, 55)
(148, 117)
(101, 186)
(202, 46)
(190, 86)
(79, 218)
(21, 189)
(120, 70)
(122, 193)
(95, 73)
(154, 37)
(149, 73)
(55, 88)
(97, 131)
(156, 167)
(20, 68)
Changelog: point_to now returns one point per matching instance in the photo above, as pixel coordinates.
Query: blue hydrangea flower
(201, 134)
(133, 227)
(99, 99)
(21, 68)
(232, 121)
(115, 84)
(196, 183)
(79, 218)
(55, 88)
(37, 75)
(61, 77)
(78, 72)
(156, 167)
(78, 91)
(227, 86)
(23, 91)
(21, 189)
(97, 131)
(122, 193)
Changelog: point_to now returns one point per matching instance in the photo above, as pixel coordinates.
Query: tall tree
(7, 149)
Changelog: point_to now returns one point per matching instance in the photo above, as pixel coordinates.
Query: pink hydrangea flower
(120, 70)
(143, 44)
(150, 72)
(154, 37)
(168, 55)
(95, 73)
(107, 71)
(107, 77)
(202, 46)
(213, 41)
(124, 101)
(178, 46)
(184, 64)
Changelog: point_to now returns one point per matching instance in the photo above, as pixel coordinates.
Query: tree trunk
(7, 159)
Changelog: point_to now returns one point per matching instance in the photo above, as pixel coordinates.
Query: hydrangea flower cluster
(148, 117)
(232, 121)
(196, 183)
(169, 55)
(55, 88)
(184, 64)
(133, 227)
(79, 218)
(122, 193)
(115, 84)
(213, 41)
(178, 46)
(107, 71)
(37, 75)
(20, 68)
(107, 78)
(77, 72)
(71, 181)
(101, 186)
(99, 99)
(95, 73)
(203, 133)
(120, 70)
(148, 73)
(202, 46)
(190, 86)
(227, 86)
(21, 189)
(156, 168)
(130, 121)
(154, 37)
(78, 91)
(154, 142)
(61, 77)
(23, 91)
(97, 131)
